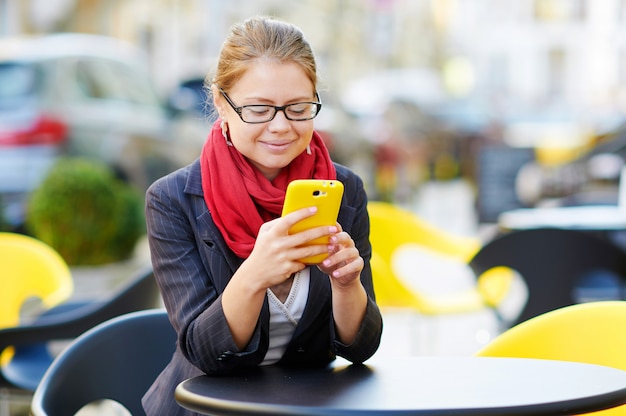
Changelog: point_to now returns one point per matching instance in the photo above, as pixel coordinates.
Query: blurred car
(190, 96)
(78, 95)
(194, 116)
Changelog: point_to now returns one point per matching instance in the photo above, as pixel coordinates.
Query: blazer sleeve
(368, 338)
(192, 269)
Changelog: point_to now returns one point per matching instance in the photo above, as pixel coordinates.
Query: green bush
(85, 213)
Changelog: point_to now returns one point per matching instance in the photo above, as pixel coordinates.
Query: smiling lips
(277, 146)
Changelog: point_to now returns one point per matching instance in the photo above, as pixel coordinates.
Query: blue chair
(117, 360)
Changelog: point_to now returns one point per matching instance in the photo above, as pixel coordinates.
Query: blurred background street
(521, 102)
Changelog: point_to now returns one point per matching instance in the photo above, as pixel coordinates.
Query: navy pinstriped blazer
(192, 266)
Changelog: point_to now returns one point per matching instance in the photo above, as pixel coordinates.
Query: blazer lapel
(208, 231)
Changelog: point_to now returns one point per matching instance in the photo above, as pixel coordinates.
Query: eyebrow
(263, 100)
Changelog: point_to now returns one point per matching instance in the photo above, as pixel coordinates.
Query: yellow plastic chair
(30, 269)
(588, 332)
(420, 268)
(397, 235)
(393, 226)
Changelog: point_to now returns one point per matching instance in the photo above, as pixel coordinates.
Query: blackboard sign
(497, 169)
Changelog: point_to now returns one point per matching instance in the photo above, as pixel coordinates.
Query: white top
(284, 317)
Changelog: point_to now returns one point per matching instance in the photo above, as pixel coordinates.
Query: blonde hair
(261, 38)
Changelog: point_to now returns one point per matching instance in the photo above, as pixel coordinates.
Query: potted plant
(88, 215)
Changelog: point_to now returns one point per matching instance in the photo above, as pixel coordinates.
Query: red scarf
(240, 198)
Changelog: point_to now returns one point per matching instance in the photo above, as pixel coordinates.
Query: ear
(218, 101)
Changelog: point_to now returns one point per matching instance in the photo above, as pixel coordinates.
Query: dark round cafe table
(411, 386)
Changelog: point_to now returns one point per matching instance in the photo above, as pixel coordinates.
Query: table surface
(411, 386)
(589, 217)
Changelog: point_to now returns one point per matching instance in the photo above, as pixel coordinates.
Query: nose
(280, 121)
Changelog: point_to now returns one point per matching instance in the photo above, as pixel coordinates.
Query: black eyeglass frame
(239, 110)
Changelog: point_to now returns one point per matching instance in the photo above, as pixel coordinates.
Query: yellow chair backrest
(393, 229)
(591, 333)
(392, 226)
(390, 292)
(30, 269)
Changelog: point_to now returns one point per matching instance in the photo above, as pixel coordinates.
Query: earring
(308, 149)
(224, 127)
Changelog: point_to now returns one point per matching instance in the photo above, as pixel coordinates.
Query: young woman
(227, 267)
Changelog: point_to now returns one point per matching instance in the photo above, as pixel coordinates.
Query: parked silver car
(83, 95)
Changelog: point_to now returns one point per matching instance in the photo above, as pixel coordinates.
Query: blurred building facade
(540, 51)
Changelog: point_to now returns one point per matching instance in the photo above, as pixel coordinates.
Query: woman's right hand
(276, 253)
(273, 260)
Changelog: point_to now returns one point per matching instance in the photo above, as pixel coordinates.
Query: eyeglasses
(261, 113)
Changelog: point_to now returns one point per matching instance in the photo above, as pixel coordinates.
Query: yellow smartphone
(326, 196)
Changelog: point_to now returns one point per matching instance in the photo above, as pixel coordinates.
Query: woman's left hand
(344, 264)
